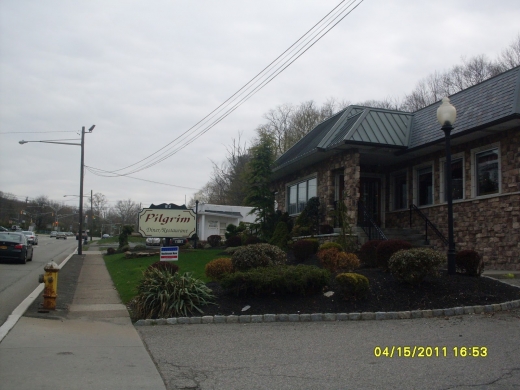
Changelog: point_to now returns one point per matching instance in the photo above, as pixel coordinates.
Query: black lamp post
(446, 115)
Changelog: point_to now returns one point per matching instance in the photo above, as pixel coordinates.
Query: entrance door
(370, 195)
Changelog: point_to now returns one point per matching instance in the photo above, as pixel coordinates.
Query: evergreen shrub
(214, 240)
(352, 285)
(217, 268)
(368, 254)
(469, 262)
(233, 241)
(413, 265)
(328, 245)
(257, 255)
(280, 280)
(304, 249)
(387, 248)
(280, 235)
(334, 260)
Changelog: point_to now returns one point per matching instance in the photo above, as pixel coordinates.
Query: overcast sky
(144, 72)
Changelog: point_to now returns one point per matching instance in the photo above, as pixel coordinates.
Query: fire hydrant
(50, 291)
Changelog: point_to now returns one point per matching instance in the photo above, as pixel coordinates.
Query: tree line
(286, 124)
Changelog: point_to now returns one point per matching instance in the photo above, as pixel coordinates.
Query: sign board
(169, 253)
(166, 220)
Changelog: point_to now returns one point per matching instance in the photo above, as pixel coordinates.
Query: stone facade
(488, 224)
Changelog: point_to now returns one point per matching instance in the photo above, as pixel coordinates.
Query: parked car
(106, 236)
(69, 234)
(3, 229)
(175, 241)
(85, 236)
(53, 233)
(15, 246)
(31, 237)
(153, 241)
(61, 235)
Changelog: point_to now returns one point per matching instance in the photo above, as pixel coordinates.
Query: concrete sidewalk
(87, 343)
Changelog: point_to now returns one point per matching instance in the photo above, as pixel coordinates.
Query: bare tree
(510, 57)
(126, 211)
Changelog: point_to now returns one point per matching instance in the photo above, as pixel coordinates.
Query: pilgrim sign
(167, 220)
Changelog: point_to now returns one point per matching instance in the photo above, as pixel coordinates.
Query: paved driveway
(339, 355)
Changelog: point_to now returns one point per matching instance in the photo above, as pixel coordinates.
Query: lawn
(126, 273)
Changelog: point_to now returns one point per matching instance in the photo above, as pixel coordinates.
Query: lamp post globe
(446, 115)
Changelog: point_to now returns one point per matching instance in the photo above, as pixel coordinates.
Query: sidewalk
(89, 342)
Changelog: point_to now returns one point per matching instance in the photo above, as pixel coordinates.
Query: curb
(329, 317)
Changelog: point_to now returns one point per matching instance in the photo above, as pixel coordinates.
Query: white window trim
(417, 168)
(300, 180)
(474, 153)
(393, 175)
(442, 177)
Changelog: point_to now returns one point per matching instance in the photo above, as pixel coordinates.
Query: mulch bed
(386, 294)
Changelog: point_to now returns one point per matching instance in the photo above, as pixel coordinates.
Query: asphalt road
(17, 281)
(340, 355)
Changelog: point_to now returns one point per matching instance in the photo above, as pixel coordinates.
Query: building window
(399, 191)
(487, 172)
(457, 178)
(300, 193)
(425, 186)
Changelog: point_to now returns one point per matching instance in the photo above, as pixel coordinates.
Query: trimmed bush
(334, 260)
(280, 280)
(217, 268)
(413, 265)
(124, 248)
(257, 255)
(367, 253)
(139, 247)
(352, 286)
(214, 240)
(304, 249)
(329, 245)
(469, 262)
(234, 241)
(162, 294)
(111, 251)
(387, 248)
(280, 235)
(251, 240)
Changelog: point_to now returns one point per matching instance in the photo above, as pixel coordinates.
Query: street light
(446, 115)
(82, 144)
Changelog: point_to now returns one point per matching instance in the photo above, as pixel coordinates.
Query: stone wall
(490, 225)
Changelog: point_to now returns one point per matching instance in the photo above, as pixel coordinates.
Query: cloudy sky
(145, 72)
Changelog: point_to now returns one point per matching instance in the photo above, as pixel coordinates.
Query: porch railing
(368, 225)
(427, 223)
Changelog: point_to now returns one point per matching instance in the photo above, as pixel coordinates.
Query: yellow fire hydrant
(50, 291)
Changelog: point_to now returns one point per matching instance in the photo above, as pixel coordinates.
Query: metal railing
(427, 223)
(371, 229)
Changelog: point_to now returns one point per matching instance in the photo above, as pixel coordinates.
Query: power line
(267, 75)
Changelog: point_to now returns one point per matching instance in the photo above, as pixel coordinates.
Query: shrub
(413, 265)
(469, 262)
(111, 251)
(251, 240)
(386, 249)
(257, 255)
(124, 248)
(282, 280)
(165, 266)
(234, 241)
(335, 260)
(304, 249)
(280, 235)
(140, 247)
(162, 294)
(367, 253)
(214, 240)
(217, 268)
(329, 245)
(326, 229)
(351, 285)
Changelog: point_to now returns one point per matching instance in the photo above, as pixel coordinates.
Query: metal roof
(494, 100)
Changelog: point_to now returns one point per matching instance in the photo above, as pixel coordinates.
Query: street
(340, 355)
(17, 281)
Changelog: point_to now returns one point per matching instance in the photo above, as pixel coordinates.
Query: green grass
(127, 273)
